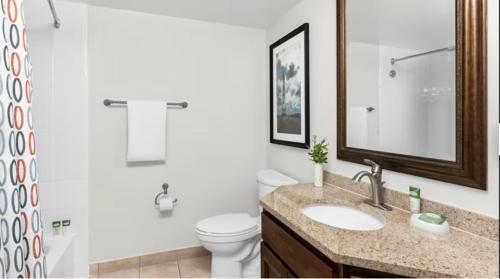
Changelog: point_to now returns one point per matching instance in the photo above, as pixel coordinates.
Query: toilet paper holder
(164, 193)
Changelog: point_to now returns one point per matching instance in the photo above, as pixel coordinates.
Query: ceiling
(249, 13)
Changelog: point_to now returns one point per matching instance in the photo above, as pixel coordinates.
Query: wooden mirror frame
(470, 167)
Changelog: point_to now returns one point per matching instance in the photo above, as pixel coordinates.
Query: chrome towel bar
(108, 102)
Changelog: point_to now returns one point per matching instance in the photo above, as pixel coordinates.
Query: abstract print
(290, 89)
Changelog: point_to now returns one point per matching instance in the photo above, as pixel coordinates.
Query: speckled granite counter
(397, 248)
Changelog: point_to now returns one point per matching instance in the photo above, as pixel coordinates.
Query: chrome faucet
(375, 177)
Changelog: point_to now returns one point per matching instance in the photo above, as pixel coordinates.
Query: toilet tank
(270, 180)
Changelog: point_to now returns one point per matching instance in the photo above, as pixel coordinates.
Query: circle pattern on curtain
(21, 235)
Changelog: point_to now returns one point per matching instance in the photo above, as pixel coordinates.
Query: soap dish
(443, 228)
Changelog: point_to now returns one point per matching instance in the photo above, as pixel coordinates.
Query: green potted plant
(319, 155)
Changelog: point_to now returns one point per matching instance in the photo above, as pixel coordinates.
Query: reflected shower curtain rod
(394, 60)
(57, 20)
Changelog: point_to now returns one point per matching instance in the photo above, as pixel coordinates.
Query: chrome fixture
(164, 193)
(370, 109)
(57, 20)
(375, 177)
(109, 102)
(394, 60)
(392, 73)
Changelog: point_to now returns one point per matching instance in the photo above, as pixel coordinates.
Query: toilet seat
(228, 228)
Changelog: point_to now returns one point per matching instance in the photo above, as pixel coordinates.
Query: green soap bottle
(414, 199)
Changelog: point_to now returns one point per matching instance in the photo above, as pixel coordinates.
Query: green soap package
(433, 218)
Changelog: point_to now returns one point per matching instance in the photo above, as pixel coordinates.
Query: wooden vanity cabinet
(284, 254)
(272, 266)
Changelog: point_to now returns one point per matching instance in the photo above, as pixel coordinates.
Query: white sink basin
(342, 217)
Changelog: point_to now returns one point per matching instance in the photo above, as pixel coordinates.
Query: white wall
(321, 16)
(60, 113)
(423, 121)
(401, 129)
(424, 24)
(214, 147)
(363, 126)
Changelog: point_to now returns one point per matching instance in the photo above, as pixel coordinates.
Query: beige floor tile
(122, 273)
(192, 252)
(195, 267)
(118, 265)
(93, 270)
(163, 270)
(158, 258)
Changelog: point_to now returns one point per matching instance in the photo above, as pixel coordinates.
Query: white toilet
(234, 239)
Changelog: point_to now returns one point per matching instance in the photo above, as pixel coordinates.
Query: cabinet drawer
(271, 266)
(300, 257)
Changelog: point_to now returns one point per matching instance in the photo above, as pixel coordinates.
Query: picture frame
(289, 89)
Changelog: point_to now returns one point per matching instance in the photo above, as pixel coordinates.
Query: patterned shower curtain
(21, 244)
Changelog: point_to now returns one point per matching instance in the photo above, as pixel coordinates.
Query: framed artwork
(289, 94)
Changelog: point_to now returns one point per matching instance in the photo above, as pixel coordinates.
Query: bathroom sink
(342, 217)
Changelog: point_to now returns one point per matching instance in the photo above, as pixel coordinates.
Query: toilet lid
(227, 224)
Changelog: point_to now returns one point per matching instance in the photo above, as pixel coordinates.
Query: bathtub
(60, 255)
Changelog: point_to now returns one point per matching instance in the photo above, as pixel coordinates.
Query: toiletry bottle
(56, 227)
(65, 226)
(414, 199)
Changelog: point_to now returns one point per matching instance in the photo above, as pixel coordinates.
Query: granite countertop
(397, 248)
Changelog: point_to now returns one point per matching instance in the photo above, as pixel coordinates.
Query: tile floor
(191, 262)
(198, 267)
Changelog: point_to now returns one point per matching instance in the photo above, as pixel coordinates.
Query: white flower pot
(318, 175)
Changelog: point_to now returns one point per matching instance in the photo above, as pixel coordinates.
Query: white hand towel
(357, 127)
(146, 131)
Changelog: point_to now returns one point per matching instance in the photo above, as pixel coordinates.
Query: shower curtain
(21, 244)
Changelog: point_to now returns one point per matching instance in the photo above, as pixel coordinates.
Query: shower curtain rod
(57, 20)
(394, 60)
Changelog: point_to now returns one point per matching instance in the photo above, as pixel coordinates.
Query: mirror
(404, 54)
(411, 86)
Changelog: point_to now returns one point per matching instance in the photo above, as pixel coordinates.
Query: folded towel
(357, 127)
(146, 130)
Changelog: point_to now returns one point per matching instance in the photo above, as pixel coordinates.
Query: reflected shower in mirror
(401, 77)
